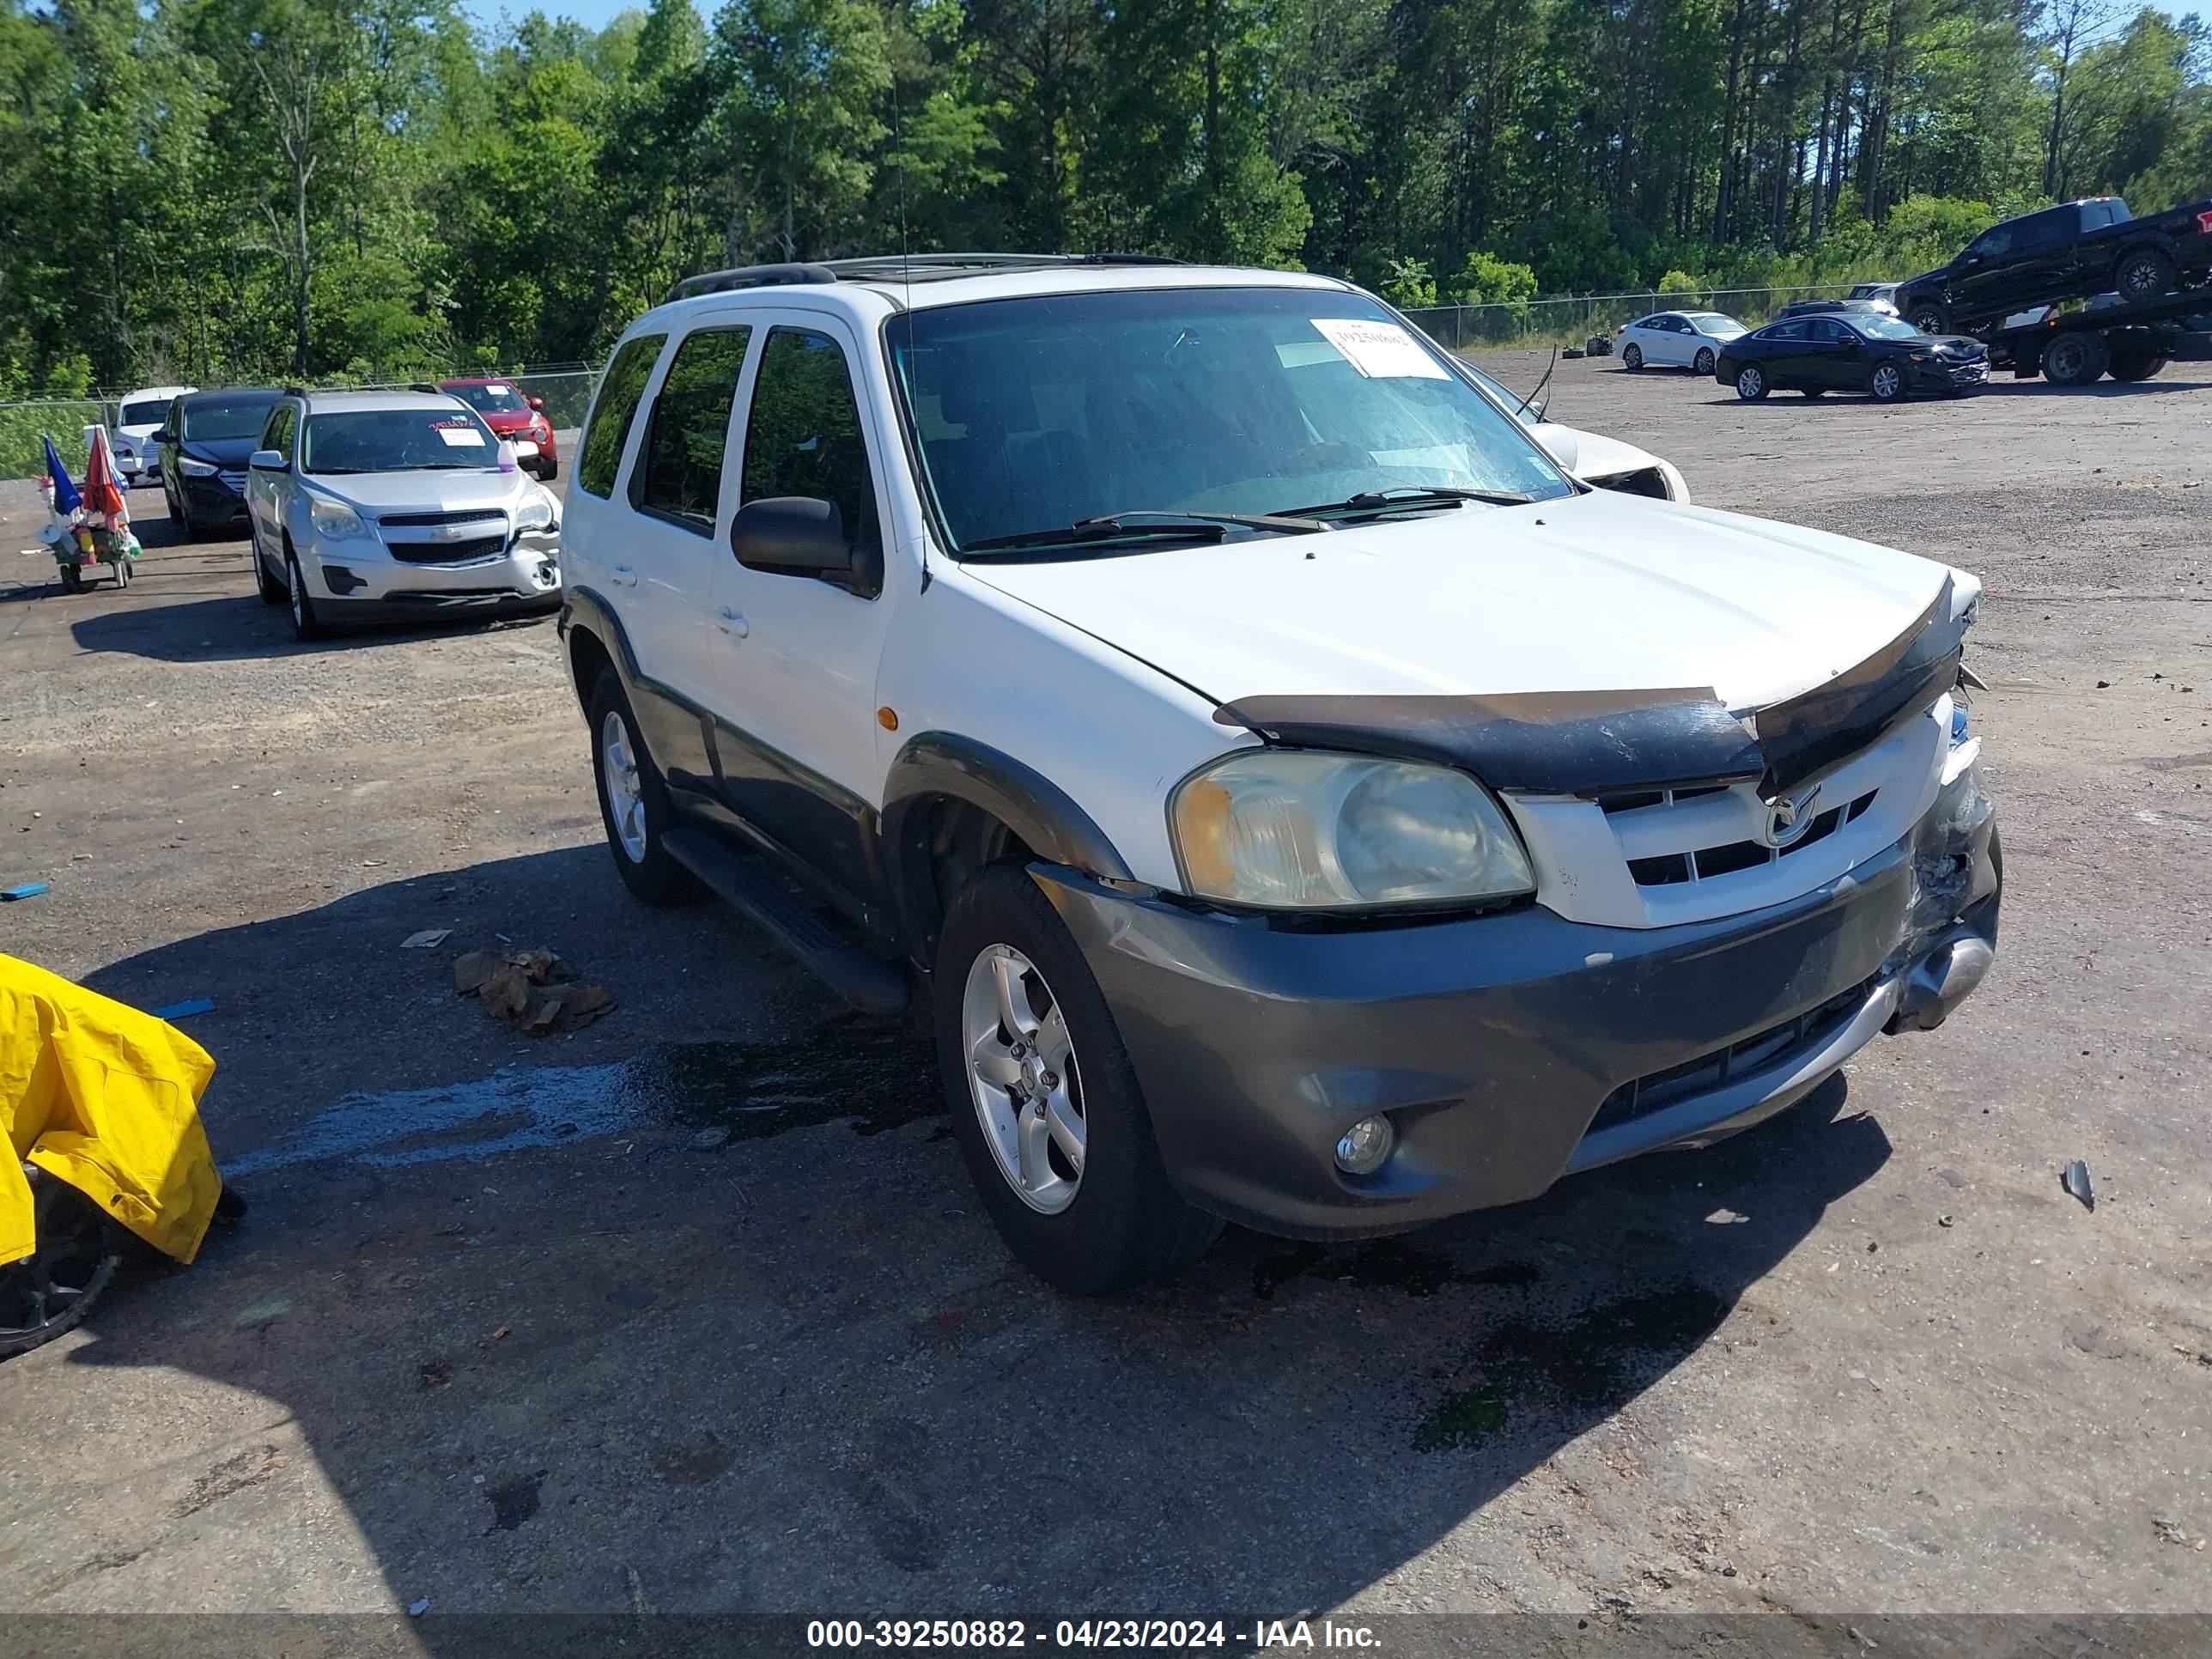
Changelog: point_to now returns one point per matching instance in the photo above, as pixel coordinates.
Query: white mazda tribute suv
(1299, 800)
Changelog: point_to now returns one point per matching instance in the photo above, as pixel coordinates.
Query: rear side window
(620, 392)
(678, 474)
(278, 434)
(804, 437)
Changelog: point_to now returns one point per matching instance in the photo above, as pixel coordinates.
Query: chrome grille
(425, 520)
(1725, 858)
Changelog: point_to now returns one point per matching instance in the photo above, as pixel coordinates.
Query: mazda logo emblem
(1789, 817)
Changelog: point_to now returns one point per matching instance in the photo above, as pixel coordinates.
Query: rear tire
(2135, 362)
(1123, 1224)
(1631, 356)
(1930, 319)
(2075, 357)
(2144, 274)
(1751, 383)
(634, 809)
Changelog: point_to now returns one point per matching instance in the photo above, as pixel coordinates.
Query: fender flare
(1050, 823)
(583, 607)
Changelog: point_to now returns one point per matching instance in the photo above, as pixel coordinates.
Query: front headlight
(334, 521)
(538, 512)
(192, 469)
(1300, 830)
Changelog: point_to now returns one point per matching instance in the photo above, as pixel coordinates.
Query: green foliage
(1486, 279)
(226, 191)
(1408, 286)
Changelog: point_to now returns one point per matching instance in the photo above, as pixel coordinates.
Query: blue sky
(596, 13)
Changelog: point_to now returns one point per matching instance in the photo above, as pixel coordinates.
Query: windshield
(1526, 417)
(225, 417)
(1711, 322)
(150, 413)
(498, 396)
(1876, 327)
(396, 440)
(1034, 414)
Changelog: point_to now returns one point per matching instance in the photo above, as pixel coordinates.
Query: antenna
(906, 257)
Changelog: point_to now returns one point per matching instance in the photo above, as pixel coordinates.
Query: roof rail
(430, 387)
(718, 282)
(884, 267)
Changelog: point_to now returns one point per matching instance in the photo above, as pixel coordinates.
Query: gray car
(393, 505)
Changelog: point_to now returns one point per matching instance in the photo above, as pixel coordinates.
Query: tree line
(231, 190)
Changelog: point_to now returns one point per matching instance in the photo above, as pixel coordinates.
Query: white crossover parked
(1675, 339)
(1608, 462)
(1307, 803)
(137, 418)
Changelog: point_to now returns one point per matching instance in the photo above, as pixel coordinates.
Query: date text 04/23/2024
(1151, 1633)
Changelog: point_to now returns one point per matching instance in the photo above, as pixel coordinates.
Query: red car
(521, 421)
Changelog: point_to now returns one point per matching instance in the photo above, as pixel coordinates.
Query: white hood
(1598, 591)
(422, 491)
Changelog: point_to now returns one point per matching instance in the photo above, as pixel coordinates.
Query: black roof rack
(897, 267)
(295, 391)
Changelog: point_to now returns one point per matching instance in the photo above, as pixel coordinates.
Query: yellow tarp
(106, 1099)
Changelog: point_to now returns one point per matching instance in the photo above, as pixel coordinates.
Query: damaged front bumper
(1511, 1049)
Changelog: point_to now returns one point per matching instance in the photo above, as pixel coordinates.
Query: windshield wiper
(1149, 525)
(1414, 496)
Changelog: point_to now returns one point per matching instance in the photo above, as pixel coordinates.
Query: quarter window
(279, 436)
(804, 436)
(678, 474)
(620, 391)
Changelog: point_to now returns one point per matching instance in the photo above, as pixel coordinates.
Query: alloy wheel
(1023, 1079)
(1887, 383)
(1750, 383)
(625, 787)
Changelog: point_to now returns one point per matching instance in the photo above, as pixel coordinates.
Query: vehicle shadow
(240, 628)
(697, 1312)
(2005, 385)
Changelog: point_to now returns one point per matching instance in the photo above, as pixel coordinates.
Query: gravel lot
(693, 1310)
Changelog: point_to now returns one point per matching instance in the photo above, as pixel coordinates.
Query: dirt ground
(694, 1311)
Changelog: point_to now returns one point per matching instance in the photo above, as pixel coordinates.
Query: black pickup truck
(2069, 251)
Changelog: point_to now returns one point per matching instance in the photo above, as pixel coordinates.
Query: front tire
(272, 591)
(306, 622)
(1886, 385)
(1704, 362)
(548, 469)
(1751, 383)
(2075, 357)
(634, 804)
(1631, 356)
(2144, 275)
(1045, 1104)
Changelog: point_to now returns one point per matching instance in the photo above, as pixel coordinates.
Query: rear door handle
(730, 623)
(623, 576)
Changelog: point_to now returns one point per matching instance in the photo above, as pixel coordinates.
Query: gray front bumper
(1514, 1049)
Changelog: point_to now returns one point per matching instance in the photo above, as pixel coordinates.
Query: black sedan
(1851, 351)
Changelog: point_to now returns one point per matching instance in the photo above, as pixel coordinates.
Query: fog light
(341, 581)
(1366, 1145)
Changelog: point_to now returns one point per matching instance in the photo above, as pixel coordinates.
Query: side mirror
(164, 436)
(535, 402)
(802, 536)
(268, 460)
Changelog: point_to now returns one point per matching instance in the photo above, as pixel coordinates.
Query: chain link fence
(1570, 321)
(567, 389)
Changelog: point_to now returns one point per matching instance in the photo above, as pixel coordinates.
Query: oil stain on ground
(512, 1501)
(873, 1075)
(1591, 1362)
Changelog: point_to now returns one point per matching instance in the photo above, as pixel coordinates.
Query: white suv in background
(370, 507)
(137, 418)
(1306, 804)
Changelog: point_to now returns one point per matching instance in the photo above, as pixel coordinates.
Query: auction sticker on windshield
(1381, 351)
(461, 437)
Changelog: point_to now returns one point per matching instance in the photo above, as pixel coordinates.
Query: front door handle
(730, 623)
(623, 576)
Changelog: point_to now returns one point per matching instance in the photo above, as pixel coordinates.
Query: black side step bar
(873, 986)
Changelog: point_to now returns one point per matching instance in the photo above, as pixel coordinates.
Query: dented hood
(1424, 636)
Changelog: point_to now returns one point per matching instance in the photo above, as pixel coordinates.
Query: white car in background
(137, 418)
(1608, 463)
(1675, 339)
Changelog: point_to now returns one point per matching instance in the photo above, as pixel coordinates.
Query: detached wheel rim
(1886, 382)
(1750, 383)
(1023, 1079)
(625, 789)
